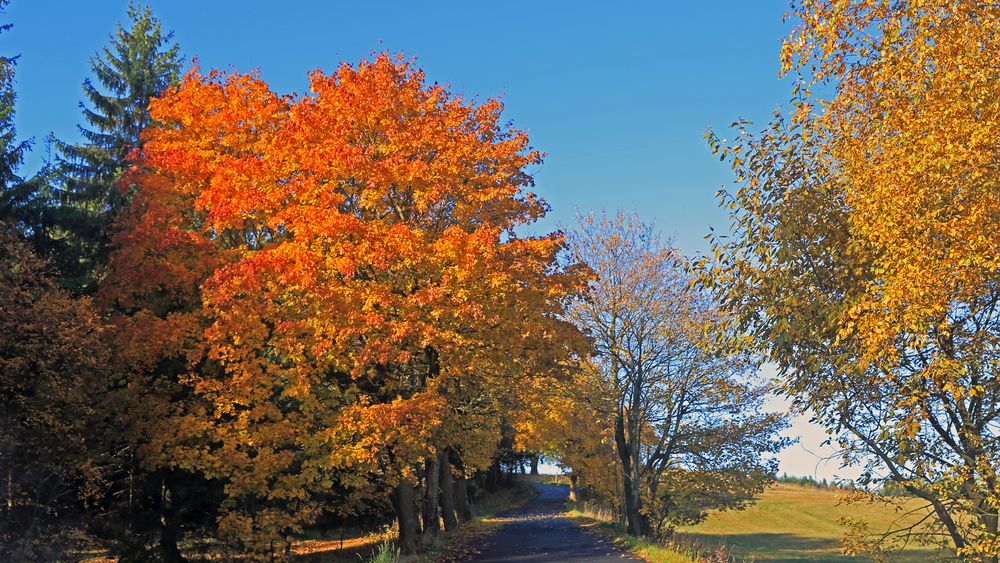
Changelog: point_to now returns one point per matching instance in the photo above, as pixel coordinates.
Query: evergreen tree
(139, 62)
(19, 204)
(11, 150)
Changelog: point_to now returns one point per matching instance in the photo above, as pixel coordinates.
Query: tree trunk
(169, 525)
(447, 492)
(403, 503)
(493, 475)
(462, 507)
(431, 516)
(573, 496)
(990, 519)
(642, 525)
(132, 511)
(534, 464)
(634, 520)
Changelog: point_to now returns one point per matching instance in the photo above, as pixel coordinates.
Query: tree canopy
(863, 255)
(334, 277)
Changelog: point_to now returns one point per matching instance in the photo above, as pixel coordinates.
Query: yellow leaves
(386, 436)
(866, 235)
(912, 131)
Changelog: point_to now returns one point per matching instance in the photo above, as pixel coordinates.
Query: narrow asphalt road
(538, 532)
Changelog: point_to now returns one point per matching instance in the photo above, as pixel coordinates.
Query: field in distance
(794, 523)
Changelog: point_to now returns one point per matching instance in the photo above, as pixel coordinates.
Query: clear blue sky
(617, 94)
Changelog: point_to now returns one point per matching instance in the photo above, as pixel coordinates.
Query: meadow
(795, 523)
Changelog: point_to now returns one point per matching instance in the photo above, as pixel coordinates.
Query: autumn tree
(52, 364)
(153, 295)
(864, 253)
(688, 429)
(571, 420)
(53, 367)
(344, 286)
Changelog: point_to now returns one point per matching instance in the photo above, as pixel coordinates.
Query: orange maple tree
(337, 270)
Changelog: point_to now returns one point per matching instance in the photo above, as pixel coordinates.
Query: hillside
(793, 523)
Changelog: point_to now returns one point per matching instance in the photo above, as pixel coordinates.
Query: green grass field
(792, 523)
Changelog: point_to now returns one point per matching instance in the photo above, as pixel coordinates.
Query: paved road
(537, 532)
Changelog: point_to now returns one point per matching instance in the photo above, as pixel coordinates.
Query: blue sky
(618, 95)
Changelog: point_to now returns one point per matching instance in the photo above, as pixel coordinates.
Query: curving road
(538, 532)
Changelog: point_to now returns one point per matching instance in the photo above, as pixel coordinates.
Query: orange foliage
(331, 268)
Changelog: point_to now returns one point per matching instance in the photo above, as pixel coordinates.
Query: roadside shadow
(788, 548)
(778, 547)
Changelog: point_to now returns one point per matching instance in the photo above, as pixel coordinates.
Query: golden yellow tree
(570, 419)
(865, 250)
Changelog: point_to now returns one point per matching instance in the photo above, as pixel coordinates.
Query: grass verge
(602, 523)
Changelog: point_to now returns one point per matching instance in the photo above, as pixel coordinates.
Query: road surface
(538, 532)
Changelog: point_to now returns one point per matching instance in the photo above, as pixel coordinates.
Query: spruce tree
(11, 150)
(139, 62)
(20, 207)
